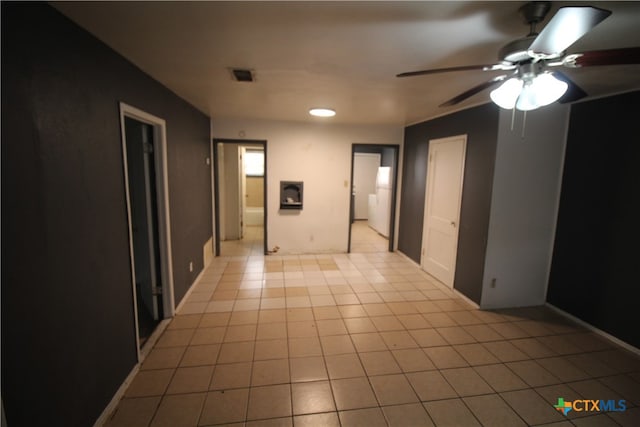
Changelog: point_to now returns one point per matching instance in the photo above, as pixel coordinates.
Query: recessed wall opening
(240, 193)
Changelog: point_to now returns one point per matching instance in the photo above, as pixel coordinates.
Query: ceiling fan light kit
(529, 84)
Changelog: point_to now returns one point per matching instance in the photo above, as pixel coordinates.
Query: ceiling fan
(530, 82)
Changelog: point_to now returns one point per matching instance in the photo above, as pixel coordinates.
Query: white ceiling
(342, 55)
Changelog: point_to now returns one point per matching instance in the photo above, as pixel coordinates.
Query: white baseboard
(589, 326)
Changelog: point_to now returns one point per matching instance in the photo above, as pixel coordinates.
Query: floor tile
(455, 335)
(412, 360)
(428, 338)
(358, 325)
(445, 357)
(368, 342)
(227, 406)
(236, 352)
(269, 402)
(393, 389)
(312, 397)
(232, 375)
(505, 351)
(272, 422)
(190, 380)
(134, 412)
(329, 419)
(303, 347)
(379, 363)
(492, 411)
(337, 344)
(397, 340)
(533, 373)
(500, 378)
(271, 349)
(308, 369)
(531, 407)
(271, 331)
(203, 336)
(303, 329)
(387, 323)
(182, 410)
(372, 417)
(452, 412)
(466, 382)
(475, 354)
(331, 327)
(412, 414)
(163, 358)
(344, 366)
(150, 383)
(270, 372)
(562, 369)
(431, 385)
(353, 393)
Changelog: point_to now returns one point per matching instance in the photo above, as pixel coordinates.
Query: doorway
(443, 198)
(374, 175)
(240, 196)
(146, 188)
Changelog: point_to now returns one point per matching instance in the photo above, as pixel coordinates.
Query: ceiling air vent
(242, 75)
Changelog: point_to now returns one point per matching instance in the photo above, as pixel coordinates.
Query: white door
(365, 170)
(443, 197)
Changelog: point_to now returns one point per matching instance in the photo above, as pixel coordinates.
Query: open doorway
(374, 170)
(240, 194)
(146, 186)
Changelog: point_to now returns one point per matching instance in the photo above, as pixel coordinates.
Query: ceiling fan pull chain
(513, 117)
(524, 123)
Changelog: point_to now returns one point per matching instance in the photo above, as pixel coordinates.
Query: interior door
(443, 198)
(144, 224)
(365, 169)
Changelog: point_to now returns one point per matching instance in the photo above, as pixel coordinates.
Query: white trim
(589, 326)
(164, 222)
(107, 413)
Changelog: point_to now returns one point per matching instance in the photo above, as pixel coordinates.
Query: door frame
(162, 194)
(394, 190)
(428, 196)
(215, 174)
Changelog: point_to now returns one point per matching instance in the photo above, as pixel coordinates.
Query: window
(254, 163)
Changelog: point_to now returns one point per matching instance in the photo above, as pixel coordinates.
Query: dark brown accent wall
(594, 273)
(68, 338)
(481, 126)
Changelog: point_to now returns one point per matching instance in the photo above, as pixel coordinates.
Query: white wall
(319, 154)
(524, 207)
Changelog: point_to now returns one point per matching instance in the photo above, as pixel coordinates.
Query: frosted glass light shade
(531, 94)
(542, 90)
(548, 89)
(322, 112)
(507, 94)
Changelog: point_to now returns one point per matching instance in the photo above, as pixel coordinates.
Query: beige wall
(319, 154)
(255, 191)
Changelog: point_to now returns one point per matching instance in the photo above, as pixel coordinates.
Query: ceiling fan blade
(476, 89)
(446, 70)
(629, 55)
(573, 93)
(566, 27)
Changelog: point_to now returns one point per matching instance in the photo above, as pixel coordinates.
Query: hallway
(365, 339)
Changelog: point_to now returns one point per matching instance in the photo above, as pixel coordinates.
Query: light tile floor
(365, 339)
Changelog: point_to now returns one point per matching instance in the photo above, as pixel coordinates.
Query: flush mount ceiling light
(322, 112)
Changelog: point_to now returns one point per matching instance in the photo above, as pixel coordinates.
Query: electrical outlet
(191, 266)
